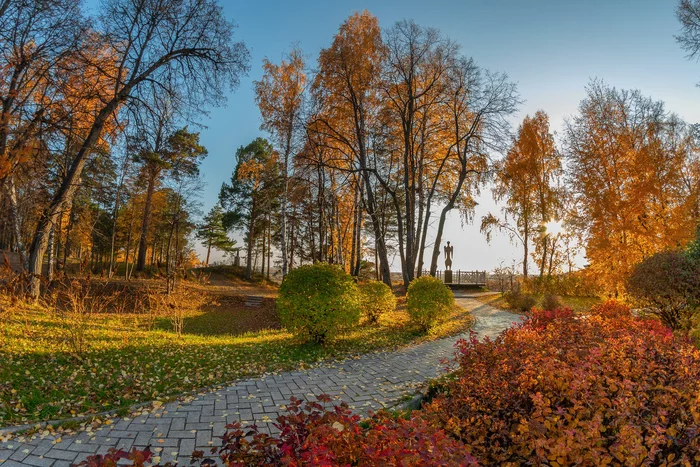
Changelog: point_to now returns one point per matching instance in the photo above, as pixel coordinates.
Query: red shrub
(604, 389)
(540, 319)
(312, 436)
(612, 309)
(113, 458)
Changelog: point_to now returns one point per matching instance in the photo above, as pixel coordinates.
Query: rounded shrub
(668, 285)
(377, 299)
(317, 301)
(428, 301)
(550, 302)
(519, 301)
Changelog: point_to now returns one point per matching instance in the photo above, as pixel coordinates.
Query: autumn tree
(626, 173)
(414, 80)
(688, 14)
(34, 37)
(182, 49)
(329, 197)
(527, 180)
(346, 88)
(476, 111)
(280, 98)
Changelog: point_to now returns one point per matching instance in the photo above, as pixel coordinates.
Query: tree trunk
(64, 194)
(15, 220)
(526, 252)
(66, 245)
(52, 253)
(128, 240)
(358, 240)
(264, 242)
(424, 234)
(251, 239)
(285, 181)
(168, 258)
(385, 272)
(355, 227)
(543, 265)
(115, 216)
(443, 216)
(552, 250)
(321, 213)
(141, 261)
(269, 249)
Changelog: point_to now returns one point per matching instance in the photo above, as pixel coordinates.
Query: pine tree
(212, 234)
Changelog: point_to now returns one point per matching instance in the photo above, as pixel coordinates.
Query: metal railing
(460, 277)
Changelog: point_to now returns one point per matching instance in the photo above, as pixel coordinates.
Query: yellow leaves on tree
(629, 160)
(279, 94)
(87, 79)
(527, 182)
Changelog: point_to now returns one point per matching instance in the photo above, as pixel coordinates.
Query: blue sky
(550, 48)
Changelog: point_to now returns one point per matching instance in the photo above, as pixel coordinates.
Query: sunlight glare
(554, 228)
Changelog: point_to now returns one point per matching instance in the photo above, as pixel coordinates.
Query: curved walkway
(175, 430)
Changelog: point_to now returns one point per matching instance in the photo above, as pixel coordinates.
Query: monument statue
(449, 253)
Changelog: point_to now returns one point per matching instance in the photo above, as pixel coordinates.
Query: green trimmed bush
(377, 299)
(428, 301)
(317, 301)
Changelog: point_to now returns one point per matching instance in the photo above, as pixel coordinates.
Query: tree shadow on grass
(228, 315)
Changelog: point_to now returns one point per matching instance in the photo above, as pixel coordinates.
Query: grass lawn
(126, 363)
(578, 304)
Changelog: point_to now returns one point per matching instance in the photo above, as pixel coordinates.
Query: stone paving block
(104, 441)
(167, 442)
(81, 457)
(102, 450)
(143, 439)
(197, 426)
(38, 461)
(177, 424)
(11, 463)
(60, 454)
(82, 447)
(188, 408)
(203, 438)
(140, 427)
(123, 434)
(187, 447)
(20, 454)
(125, 444)
(122, 424)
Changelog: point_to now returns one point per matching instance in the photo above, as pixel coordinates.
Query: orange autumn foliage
(634, 179)
(602, 389)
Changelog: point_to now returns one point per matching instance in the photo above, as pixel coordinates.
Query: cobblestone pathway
(176, 429)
